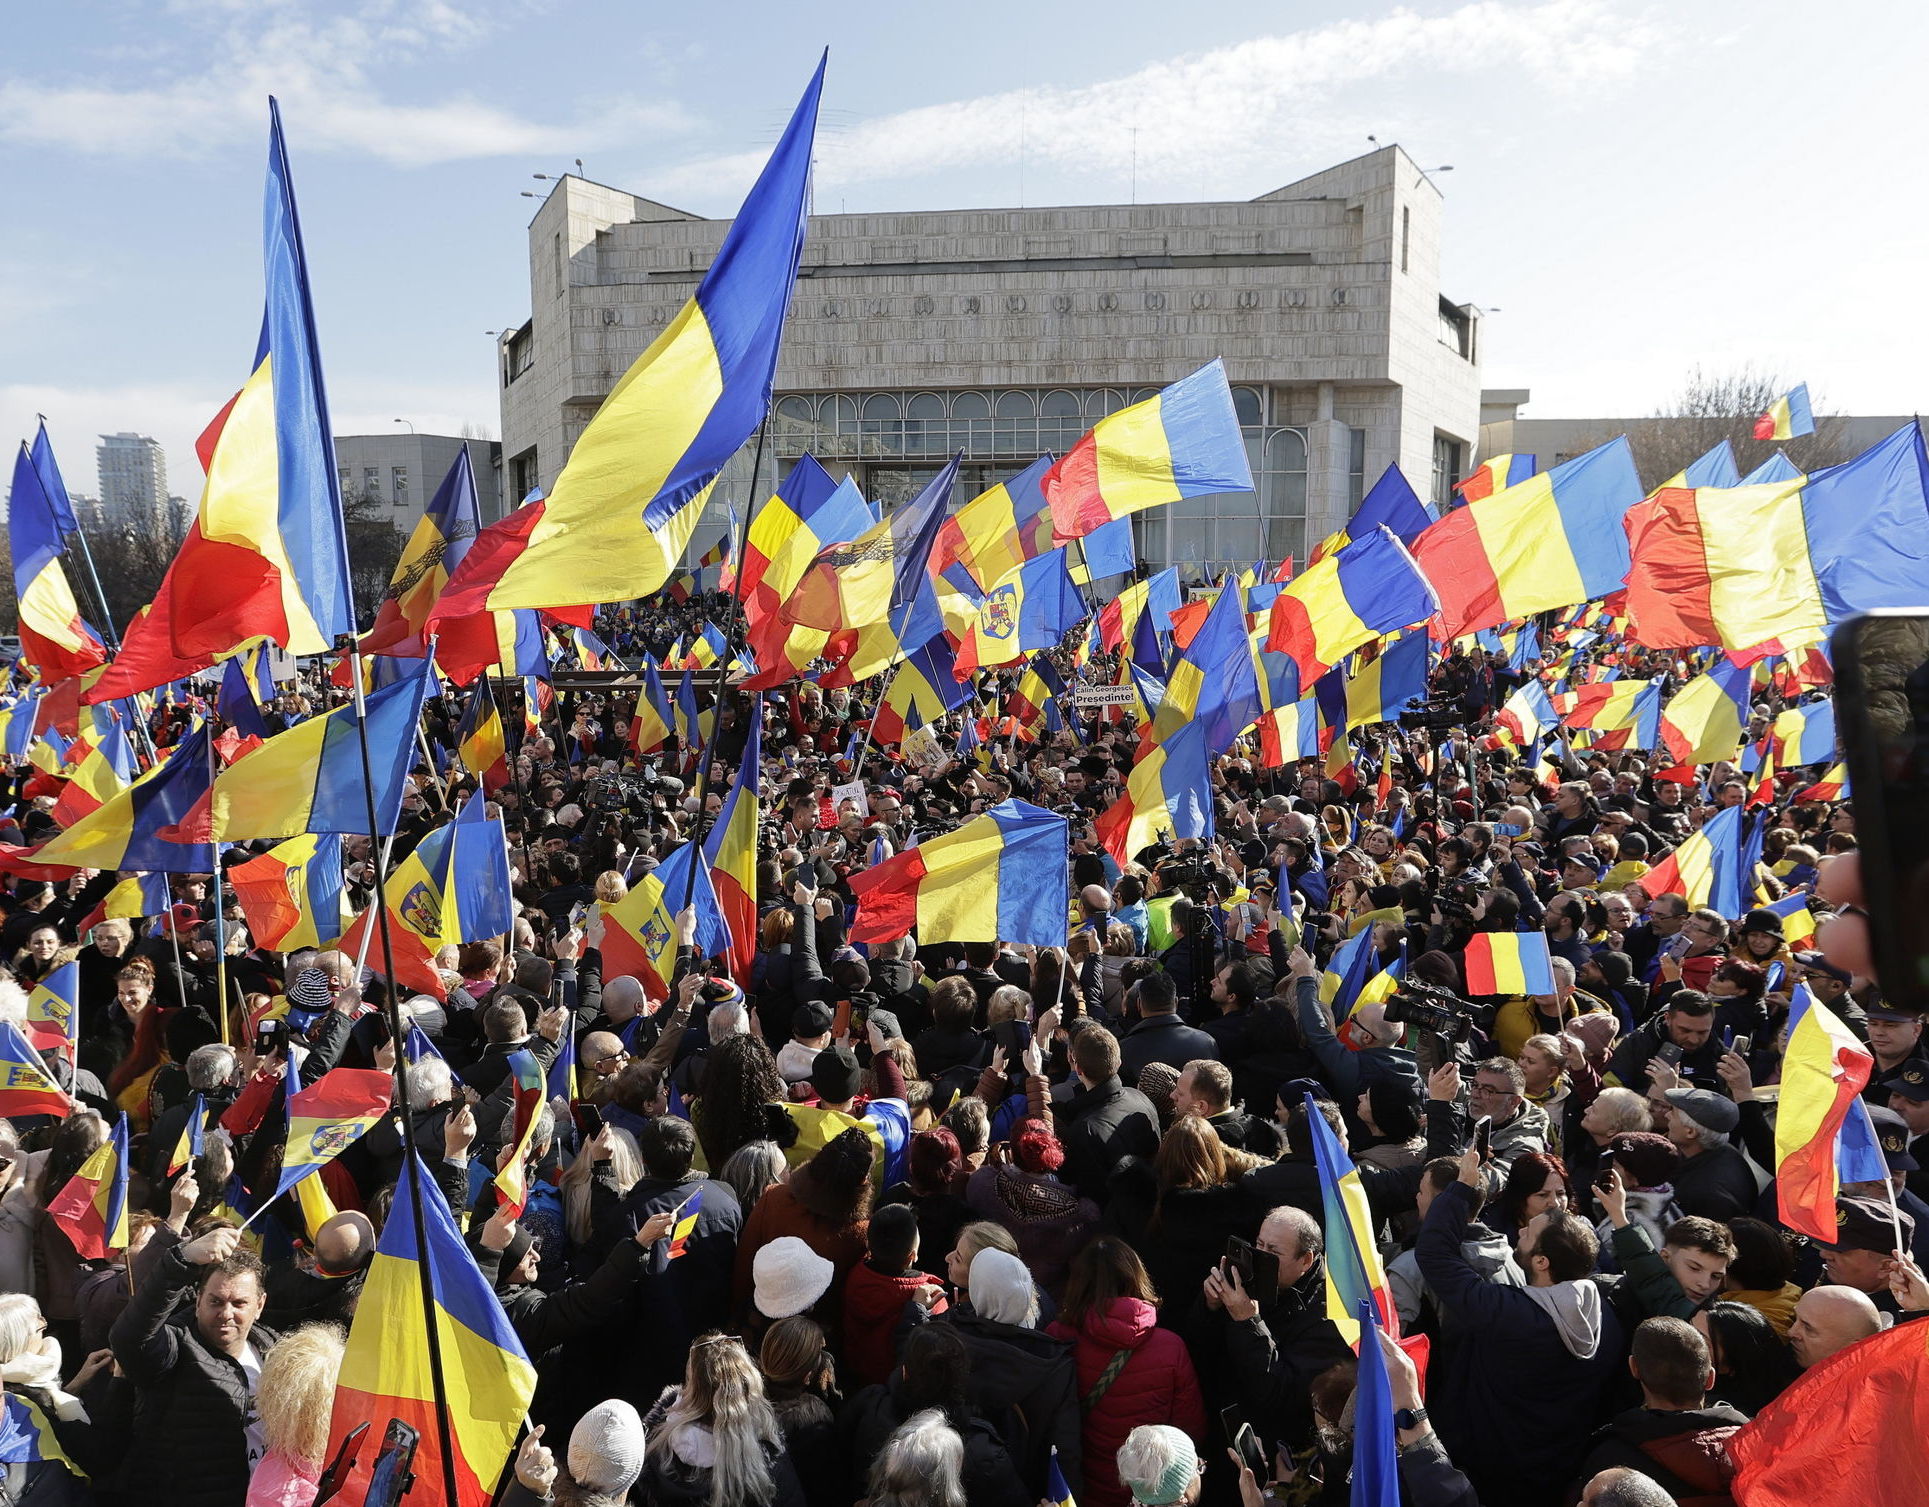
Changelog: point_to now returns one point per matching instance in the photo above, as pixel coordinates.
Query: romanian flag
(1289, 733)
(480, 741)
(53, 1012)
(193, 1136)
(806, 487)
(92, 1208)
(1378, 690)
(730, 849)
(1354, 1274)
(309, 779)
(1798, 922)
(650, 722)
(1353, 963)
(1371, 587)
(1154, 599)
(1495, 474)
(27, 1436)
(1824, 1068)
(141, 827)
(1806, 733)
(385, 1371)
(1614, 706)
(1001, 876)
(1512, 962)
(293, 894)
(816, 520)
(439, 544)
(1788, 417)
(1213, 680)
(1168, 794)
(692, 725)
(618, 518)
(54, 638)
(25, 1087)
(995, 532)
(527, 1086)
(1057, 1493)
(1185, 442)
(1037, 691)
(1392, 503)
(1833, 786)
(329, 1116)
(1547, 542)
(926, 684)
(685, 1228)
(1705, 719)
(266, 557)
(130, 900)
(1032, 607)
(639, 931)
(1527, 715)
(453, 888)
(1709, 868)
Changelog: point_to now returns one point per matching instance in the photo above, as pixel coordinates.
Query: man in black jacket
(1672, 1437)
(196, 1435)
(1102, 1121)
(1160, 1035)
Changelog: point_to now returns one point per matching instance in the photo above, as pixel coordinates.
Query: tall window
(1406, 234)
(372, 482)
(1449, 461)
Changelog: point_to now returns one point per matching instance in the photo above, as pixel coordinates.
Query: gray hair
(1630, 1488)
(1564, 968)
(1710, 1139)
(19, 1325)
(728, 1019)
(212, 1066)
(1308, 1238)
(921, 1465)
(1627, 1108)
(429, 1082)
(1152, 1452)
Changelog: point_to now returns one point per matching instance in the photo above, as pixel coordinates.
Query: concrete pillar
(1328, 457)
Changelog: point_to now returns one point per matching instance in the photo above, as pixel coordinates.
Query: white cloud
(1208, 120)
(319, 67)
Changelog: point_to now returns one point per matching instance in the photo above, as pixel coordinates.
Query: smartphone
(1240, 1435)
(1882, 710)
(1728, 1038)
(392, 1476)
(1484, 1137)
(1676, 945)
(1014, 1036)
(1239, 1258)
(1509, 829)
(339, 1468)
(1743, 1045)
(1606, 1168)
(841, 1019)
(268, 1036)
(1670, 1053)
(589, 1122)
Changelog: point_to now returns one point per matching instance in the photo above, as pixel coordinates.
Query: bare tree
(1713, 406)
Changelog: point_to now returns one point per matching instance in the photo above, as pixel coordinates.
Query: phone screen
(589, 1121)
(1606, 1169)
(390, 1477)
(1882, 706)
(1484, 1137)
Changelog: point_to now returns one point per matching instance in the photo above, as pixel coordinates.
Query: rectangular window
(1448, 460)
(560, 282)
(372, 482)
(1406, 234)
(1356, 466)
(398, 485)
(347, 484)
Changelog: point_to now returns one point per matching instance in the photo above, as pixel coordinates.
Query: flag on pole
(730, 849)
(1001, 876)
(54, 638)
(92, 1208)
(25, 1086)
(293, 895)
(329, 1116)
(1788, 417)
(1354, 1274)
(53, 1012)
(1824, 1069)
(527, 1087)
(193, 1136)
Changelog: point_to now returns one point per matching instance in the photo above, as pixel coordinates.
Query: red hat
(182, 916)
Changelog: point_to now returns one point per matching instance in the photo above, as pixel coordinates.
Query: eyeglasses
(1493, 1091)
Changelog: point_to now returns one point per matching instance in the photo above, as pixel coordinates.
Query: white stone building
(1003, 333)
(133, 478)
(398, 473)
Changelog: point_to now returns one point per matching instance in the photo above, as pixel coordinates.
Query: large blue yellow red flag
(1354, 1274)
(1184, 442)
(92, 1207)
(26, 1088)
(479, 740)
(1290, 732)
(815, 516)
(309, 779)
(1628, 708)
(1788, 417)
(730, 849)
(618, 517)
(53, 1011)
(1824, 1069)
(995, 532)
(805, 488)
(640, 930)
(452, 888)
(1032, 607)
(925, 684)
(54, 638)
(1550, 541)
(1806, 733)
(1371, 587)
(440, 542)
(386, 1373)
(1001, 876)
(103, 771)
(293, 895)
(1168, 794)
(1706, 718)
(1213, 679)
(267, 556)
(142, 826)
(1709, 867)
(329, 1116)
(1381, 689)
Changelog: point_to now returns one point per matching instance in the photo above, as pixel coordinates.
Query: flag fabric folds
(1372, 586)
(640, 932)
(1167, 794)
(1509, 963)
(1708, 868)
(1378, 690)
(1705, 719)
(1376, 1464)
(1185, 442)
(995, 532)
(292, 895)
(1788, 417)
(1550, 541)
(1032, 607)
(1354, 1274)
(1213, 680)
(685, 1228)
(92, 1208)
(385, 1369)
(1392, 503)
(527, 1084)
(439, 544)
(1057, 1493)
(926, 686)
(329, 1116)
(1001, 876)
(1824, 1068)
(480, 741)
(617, 519)
(54, 638)
(730, 849)
(27, 1436)
(193, 1136)
(53, 1012)
(266, 556)
(143, 826)
(1495, 474)
(26, 1088)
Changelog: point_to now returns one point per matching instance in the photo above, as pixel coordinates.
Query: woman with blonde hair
(295, 1396)
(715, 1438)
(578, 1185)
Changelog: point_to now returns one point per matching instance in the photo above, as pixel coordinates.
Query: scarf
(40, 1370)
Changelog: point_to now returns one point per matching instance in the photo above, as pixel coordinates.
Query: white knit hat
(789, 1277)
(606, 1448)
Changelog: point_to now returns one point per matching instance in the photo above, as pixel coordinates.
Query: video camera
(1441, 1011)
(1443, 712)
(1456, 896)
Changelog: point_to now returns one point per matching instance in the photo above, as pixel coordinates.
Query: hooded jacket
(1026, 1383)
(1521, 1373)
(1682, 1451)
(873, 1303)
(1047, 1218)
(1486, 1251)
(1156, 1385)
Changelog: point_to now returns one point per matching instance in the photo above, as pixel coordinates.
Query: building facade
(1002, 334)
(133, 478)
(397, 474)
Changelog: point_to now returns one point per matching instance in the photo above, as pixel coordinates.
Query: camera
(1438, 1010)
(1434, 715)
(1456, 896)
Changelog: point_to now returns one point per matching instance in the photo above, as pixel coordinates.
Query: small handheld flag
(685, 1227)
(192, 1134)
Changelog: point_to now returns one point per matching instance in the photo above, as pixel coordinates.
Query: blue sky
(1638, 188)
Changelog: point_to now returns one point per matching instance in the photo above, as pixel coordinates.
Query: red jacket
(1157, 1385)
(873, 1304)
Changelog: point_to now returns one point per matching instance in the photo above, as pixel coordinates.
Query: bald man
(1096, 901)
(1828, 1319)
(325, 1286)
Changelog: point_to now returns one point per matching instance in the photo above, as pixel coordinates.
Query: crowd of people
(977, 1219)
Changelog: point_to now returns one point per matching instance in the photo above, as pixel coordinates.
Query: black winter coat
(1100, 1126)
(990, 1477)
